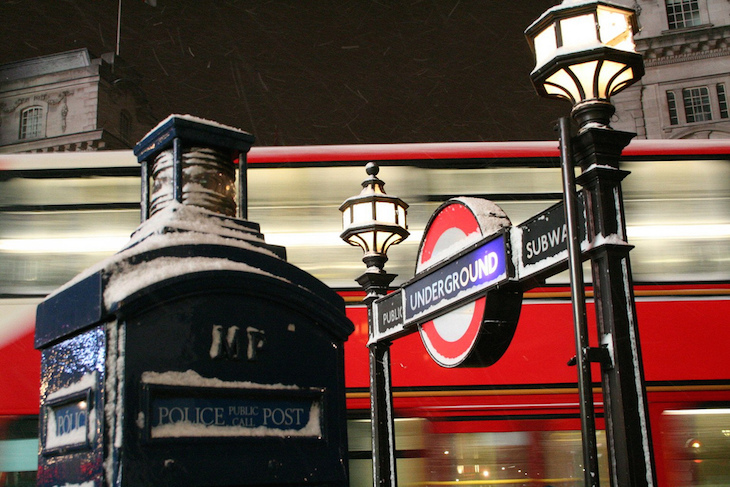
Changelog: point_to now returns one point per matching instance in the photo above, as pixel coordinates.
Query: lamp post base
(375, 282)
(593, 113)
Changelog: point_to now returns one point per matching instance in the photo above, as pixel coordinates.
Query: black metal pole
(375, 282)
(177, 169)
(144, 201)
(243, 185)
(585, 385)
(381, 414)
(117, 50)
(631, 461)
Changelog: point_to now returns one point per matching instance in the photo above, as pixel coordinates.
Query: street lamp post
(374, 221)
(585, 53)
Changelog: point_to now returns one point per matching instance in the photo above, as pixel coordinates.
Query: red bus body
(683, 330)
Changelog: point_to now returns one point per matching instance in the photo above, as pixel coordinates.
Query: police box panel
(72, 408)
(233, 366)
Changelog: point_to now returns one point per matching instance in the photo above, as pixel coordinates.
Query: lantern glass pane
(621, 81)
(545, 45)
(586, 72)
(565, 84)
(402, 217)
(385, 212)
(385, 240)
(363, 240)
(605, 77)
(362, 212)
(615, 29)
(380, 238)
(557, 91)
(346, 217)
(578, 31)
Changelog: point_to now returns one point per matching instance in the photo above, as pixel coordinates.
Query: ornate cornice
(681, 58)
(686, 45)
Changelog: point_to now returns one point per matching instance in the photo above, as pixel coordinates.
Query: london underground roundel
(477, 333)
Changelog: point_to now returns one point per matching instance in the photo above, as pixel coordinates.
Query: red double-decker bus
(514, 423)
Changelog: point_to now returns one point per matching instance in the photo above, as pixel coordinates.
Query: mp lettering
(229, 343)
(256, 341)
(227, 346)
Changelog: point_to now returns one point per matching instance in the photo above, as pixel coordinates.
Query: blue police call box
(196, 355)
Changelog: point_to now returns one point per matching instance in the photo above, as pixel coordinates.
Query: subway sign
(544, 239)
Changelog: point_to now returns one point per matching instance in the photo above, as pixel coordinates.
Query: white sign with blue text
(457, 281)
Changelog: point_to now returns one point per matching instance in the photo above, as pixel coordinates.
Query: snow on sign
(206, 416)
(69, 415)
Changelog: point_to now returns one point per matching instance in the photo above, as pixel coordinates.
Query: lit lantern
(374, 220)
(585, 53)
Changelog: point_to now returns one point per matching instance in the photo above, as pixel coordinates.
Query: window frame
(722, 103)
(672, 108)
(31, 124)
(682, 14)
(697, 104)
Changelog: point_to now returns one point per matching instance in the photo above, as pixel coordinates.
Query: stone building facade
(685, 91)
(69, 102)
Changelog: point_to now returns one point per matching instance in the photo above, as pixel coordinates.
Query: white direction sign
(543, 241)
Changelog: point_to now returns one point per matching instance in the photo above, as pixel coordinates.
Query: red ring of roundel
(454, 215)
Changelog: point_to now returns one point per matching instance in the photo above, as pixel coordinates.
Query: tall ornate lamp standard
(585, 53)
(374, 221)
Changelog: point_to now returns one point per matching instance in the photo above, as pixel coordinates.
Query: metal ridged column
(597, 150)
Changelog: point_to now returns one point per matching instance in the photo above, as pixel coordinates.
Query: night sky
(304, 72)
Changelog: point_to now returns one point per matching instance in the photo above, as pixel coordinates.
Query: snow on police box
(70, 417)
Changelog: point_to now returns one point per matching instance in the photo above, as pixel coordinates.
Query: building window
(697, 104)
(672, 104)
(125, 125)
(722, 100)
(31, 123)
(683, 13)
